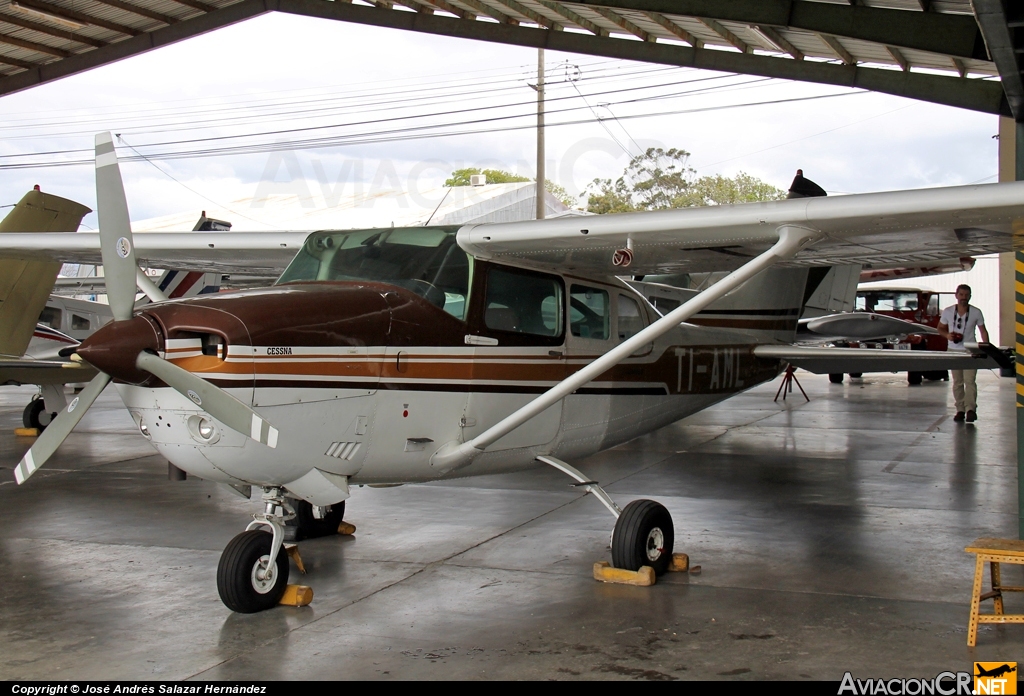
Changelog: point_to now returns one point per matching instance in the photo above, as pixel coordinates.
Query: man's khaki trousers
(965, 389)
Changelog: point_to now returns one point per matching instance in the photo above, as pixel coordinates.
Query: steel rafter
(80, 17)
(33, 46)
(535, 17)
(942, 33)
(64, 34)
(676, 30)
(1005, 43)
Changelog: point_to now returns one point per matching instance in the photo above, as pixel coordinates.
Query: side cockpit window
(522, 302)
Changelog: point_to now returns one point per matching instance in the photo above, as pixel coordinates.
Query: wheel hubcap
(655, 544)
(263, 578)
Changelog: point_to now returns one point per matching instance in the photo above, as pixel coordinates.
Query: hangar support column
(1011, 292)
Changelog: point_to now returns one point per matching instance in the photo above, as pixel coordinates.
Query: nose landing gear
(252, 574)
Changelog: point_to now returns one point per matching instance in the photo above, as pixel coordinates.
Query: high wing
(907, 227)
(263, 253)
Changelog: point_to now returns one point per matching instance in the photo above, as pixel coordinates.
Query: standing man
(957, 325)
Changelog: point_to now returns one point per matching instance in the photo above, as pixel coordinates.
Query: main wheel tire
(643, 536)
(836, 377)
(33, 414)
(242, 585)
(309, 527)
(915, 378)
(856, 375)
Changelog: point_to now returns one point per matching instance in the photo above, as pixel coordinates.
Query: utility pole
(540, 134)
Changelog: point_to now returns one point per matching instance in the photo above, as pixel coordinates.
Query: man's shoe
(959, 417)
(971, 416)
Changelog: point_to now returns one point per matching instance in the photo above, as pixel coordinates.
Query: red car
(909, 304)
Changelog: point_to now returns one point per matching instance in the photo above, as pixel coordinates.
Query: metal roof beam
(451, 9)
(1000, 39)
(196, 5)
(734, 40)
(779, 41)
(942, 33)
(623, 23)
(560, 9)
(7, 60)
(141, 11)
(534, 17)
(65, 34)
(80, 17)
(833, 43)
(488, 11)
(33, 46)
(666, 23)
(898, 57)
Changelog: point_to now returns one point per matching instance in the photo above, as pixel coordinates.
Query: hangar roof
(944, 51)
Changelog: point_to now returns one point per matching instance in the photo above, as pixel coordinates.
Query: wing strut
(454, 455)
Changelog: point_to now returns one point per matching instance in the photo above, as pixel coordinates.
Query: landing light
(206, 429)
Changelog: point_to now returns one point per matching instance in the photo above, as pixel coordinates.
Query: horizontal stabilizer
(862, 326)
(836, 360)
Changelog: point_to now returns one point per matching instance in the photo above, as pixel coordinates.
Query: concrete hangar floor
(830, 537)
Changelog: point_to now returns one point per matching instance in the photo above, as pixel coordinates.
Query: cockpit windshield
(425, 260)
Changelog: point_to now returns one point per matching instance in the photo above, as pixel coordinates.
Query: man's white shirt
(963, 324)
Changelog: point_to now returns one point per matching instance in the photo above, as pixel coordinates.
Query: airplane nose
(115, 346)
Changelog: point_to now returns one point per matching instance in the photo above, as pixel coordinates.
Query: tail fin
(177, 284)
(25, 285)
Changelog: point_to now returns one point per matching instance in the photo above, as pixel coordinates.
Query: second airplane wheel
(643, 536)
(836, 378)
(35, 414)
(244, 582)
(311, 527)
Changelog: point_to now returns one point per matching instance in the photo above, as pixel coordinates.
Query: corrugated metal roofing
(35, 33)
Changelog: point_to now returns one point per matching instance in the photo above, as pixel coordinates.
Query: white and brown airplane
(389, 356)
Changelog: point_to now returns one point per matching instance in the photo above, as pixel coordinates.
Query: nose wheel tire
(244, 582)
(309, 527)
(643, 536)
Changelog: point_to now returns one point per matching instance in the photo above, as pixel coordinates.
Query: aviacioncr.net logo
(943, 684)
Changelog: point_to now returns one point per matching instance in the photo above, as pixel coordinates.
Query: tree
(460, 177)
(723, 190)
(660, 179)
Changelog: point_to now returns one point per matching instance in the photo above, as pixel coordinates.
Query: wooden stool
(995, 551)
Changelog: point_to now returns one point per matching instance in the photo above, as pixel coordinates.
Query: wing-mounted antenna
(803, 187)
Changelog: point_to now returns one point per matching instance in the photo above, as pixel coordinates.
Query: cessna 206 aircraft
(389, 356)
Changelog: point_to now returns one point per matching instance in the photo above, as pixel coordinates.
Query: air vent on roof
(478, 180)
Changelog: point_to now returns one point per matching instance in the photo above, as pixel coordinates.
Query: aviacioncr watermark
(943, 684)
(316, 182)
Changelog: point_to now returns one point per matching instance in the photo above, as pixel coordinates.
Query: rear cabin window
(79, 323)
(521, 302)
(630, 320)
(589, 312)
(51, 317)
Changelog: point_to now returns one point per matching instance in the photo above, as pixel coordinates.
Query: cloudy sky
(280, 78)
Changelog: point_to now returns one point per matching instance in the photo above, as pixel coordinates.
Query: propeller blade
(59, 429)
(214, 400)
(116, 244)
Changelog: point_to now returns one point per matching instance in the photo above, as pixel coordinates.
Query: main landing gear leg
(253, 573)
(643, 534)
